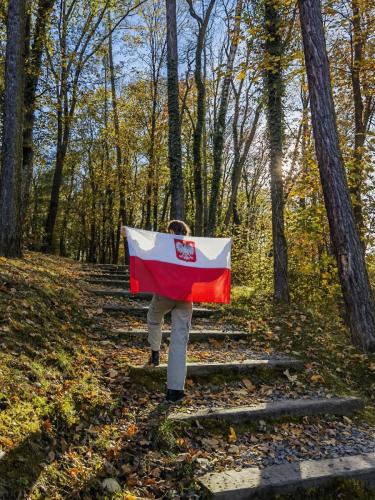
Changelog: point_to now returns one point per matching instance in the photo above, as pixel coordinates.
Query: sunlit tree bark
(346, 243)
(10, 176)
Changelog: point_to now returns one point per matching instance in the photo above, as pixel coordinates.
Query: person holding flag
(178, 269)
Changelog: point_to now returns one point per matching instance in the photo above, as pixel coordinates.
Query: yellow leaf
(317, 378)
(232, 436)
(4, 441)
(129, 496)
(181, 441)
(241, 75)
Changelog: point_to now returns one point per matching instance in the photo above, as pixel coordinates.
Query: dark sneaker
(174, 396)
(154, 358)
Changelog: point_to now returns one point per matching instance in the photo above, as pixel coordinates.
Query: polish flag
(179, 267)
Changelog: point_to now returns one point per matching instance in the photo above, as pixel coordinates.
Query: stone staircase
(246, 482)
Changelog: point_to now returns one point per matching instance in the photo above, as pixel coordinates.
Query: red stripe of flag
(180, 282)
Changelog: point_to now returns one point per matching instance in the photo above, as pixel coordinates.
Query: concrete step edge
(140, 311)
(285, 478)
(202, 369)
(193, 335)
(275, 409)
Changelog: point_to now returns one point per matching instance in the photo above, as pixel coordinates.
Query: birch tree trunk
(10, 176)
(355, 285)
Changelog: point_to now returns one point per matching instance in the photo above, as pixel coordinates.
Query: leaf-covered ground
(73, 424)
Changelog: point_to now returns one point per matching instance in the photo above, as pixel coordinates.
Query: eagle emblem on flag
(185, 250)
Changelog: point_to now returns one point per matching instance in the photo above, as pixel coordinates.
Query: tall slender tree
(201, 112)
(119, 159)
(218, 136)
(33, 69)
(274, 89)
(174, 132)
(362, 112)
(10, 176)
(355, 285)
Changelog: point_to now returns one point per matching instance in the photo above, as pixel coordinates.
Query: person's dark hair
(179, 227)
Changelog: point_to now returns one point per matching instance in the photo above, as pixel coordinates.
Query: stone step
(108, 282)
(194, 335)
(198, 312)
(121, 267)
(274, 409)
(236, 367)
(106, 267)
(253, 482)
(103, 272)
(126, 294)
(108, 276)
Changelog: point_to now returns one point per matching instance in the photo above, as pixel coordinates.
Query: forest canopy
(128, 118)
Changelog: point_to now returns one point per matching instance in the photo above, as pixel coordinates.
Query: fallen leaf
(248, 384)
(126, 469)
(291, 378)
(210, 442)
(317, 378)
(150, 481)
(4, 441)
(129, 496)
(155, 472)
(111, 485)
(144, 442)
(181, 441)
(132, 480)
(131, 430)
(46, 425)
(232, 436)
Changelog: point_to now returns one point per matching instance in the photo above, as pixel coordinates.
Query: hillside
(73, 423)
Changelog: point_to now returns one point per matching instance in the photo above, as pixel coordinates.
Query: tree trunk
(63, 132)
(31, 83)
(10, 176)
(238, 164)
(55, 192)
(219, 130)
(119, 161)
(65, 221)
(151, 174)
(174, 132)
(357, 293)
(305, 135)
(356, 176)
(201, 115)
(274, 89)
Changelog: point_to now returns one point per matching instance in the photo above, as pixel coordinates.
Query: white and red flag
(179, 267)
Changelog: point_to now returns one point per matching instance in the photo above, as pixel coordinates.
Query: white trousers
(181, 322)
